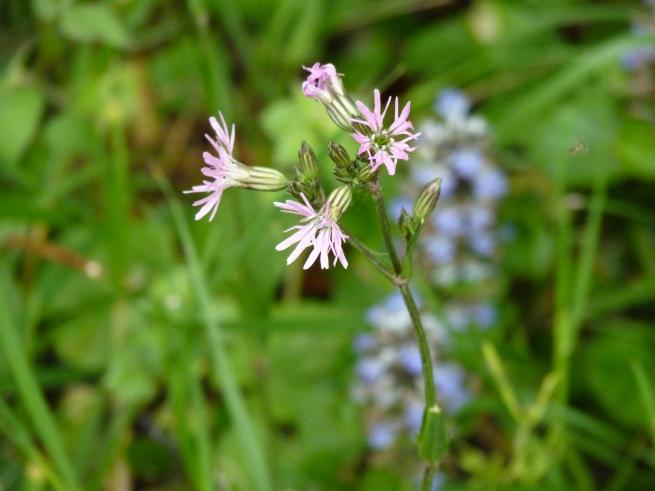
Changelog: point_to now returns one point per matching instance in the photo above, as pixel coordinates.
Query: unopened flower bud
(365, 174)
(339, 201)
(339, 155)
(307, 169)
(427, 199)
(406, 224)
(263, 179)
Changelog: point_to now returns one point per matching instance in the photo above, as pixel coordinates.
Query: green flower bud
(339, 201)
(307, 169)
(366, 173)
(427, 199)
(263, 179)
(339, 155)
(406, 224)
(361, 128)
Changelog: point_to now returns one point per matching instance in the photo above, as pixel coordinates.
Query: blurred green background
(143, 350)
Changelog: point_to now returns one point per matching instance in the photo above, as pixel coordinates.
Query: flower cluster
(389, 371)
(461, 240)
(319, 227)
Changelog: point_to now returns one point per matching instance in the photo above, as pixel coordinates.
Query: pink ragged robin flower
(225, 172)
(324, 84)
(384, 145)
(321, 81)
(319, 230)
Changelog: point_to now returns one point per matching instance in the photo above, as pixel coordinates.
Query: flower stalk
(432, 440)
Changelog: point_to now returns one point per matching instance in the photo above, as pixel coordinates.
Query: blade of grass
(590, 238)
(32, 398)
(20, 437)
(507, 394)
(255, 461)
(188, 441)
(191, 424)
(647, 394)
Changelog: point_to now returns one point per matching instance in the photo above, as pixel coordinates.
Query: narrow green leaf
(32, 397)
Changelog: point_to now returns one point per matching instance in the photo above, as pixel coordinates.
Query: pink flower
(225, 172)
(384, 146)
(320, 81)
(318, 230)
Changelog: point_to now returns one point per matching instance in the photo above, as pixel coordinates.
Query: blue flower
(467, 162)
(479, 218)
(485, 314)
(458, 316)
(409, 358)
(483, 244)
(490, 185)
(414, 417)
(449, 380)
(449, 221)
(440, 249)
(369, 370)
(637, 57)
(452, 104)
(364, 342)
(381, 436)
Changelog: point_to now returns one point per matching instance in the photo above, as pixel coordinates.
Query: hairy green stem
(424, 347)
(376, 191)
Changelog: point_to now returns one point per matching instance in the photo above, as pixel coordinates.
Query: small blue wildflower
(485, 314)
(458, 316)
(449, 221)
(409, 358)
(414, 417)
(490, 185)
(369, 370)
(479, 218)
(467, 162)
(364, 342)
(449, 379)
(441, 250)
(382, 435)
(636, 58)
(483, 244)
(452, 104)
